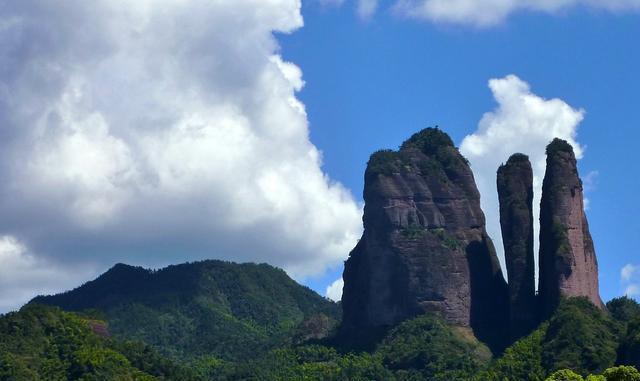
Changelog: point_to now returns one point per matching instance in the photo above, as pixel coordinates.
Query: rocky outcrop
(568, 265)
(515, 192)
(424, 247)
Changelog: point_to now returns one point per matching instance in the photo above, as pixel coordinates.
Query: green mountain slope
(210, 308)
(578, 336)
(423, 348)
(45, 343)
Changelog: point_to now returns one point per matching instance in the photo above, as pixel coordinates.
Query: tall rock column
(515, 192)
(568, 264)
(424, 246)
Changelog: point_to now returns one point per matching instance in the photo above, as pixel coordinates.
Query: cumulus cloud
(491, 12)
(522, 122)
(154, 132)
(589, 182)
(630, 279)
(334, 290)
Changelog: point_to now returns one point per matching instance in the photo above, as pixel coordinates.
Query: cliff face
(424, 247)
(515, 192)
(568, 265)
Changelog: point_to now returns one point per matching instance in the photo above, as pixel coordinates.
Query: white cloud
(522, 122)
(23, 275)
(366, 8)
(334, 290)
(589, 182)
(491, 12)
(630, 279)
(155, 132)
(628, 272)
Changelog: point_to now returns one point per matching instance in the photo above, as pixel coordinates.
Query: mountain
(45, 343)
(424, 247)
(424, 296)
(213, 308)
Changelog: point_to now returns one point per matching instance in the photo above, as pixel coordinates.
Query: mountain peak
(559, 145)
(428, 140)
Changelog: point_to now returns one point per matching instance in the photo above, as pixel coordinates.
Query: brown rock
(424, 247)
(568, 264)
(515, 192)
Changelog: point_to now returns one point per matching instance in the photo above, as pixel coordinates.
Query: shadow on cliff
(489, 295)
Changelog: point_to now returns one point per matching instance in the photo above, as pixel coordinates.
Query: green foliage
(561, 239)
(521, 361)
(314, 363)
(384, 162)
(565, 375)
(624, 309)
(44, 343)
(559, 145)
(240, 322)
(629, 352)
(427, 348)
(580, 337)
(412, 232)
(209, 308)
(429, 140)
(518, 158)
(421, 349)
(622, 373)
(449, 241)
(626, 312)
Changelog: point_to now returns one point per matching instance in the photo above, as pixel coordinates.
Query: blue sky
(154, 132)
(371, 83)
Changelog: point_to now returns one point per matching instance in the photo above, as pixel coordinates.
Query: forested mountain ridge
(214, 308)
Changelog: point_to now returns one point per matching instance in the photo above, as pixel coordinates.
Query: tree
(565, 375)
(622, 373)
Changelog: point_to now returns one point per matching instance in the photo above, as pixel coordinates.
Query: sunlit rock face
(424, 246)
(568, 264)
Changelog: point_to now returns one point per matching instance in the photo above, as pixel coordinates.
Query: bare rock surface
(515, 192)
(568, 264)
(424, 247)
